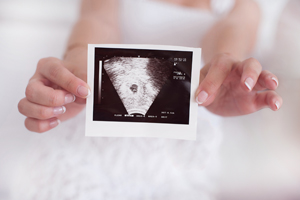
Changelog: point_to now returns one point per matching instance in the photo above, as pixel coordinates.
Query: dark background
(173, 97)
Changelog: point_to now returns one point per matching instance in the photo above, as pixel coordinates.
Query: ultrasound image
(137, 80)
(141, 85)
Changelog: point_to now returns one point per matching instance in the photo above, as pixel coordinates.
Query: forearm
(98, 24)
(88, 31)
(235, 34)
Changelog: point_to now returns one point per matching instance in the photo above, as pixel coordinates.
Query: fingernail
(54, 123)
(275, 80)
(59, 110)
(249, 83)
(83, 91)
(69, 98)
(202, 96)
(277, 104)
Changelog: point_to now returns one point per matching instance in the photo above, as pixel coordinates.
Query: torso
(164, 22)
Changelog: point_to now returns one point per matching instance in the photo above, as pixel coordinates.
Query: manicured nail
(69, 98)
(249, 83)
(277, 104)
(275, 80)
(83, 91)
(202, 96)
(54, 123)
(59, 110)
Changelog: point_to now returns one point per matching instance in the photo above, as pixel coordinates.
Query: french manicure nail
(277, 104)
(202, 96)
(275, 80)
(83, 91)
(59, 110)
(54, 123)
(69, 98)
(249, 83)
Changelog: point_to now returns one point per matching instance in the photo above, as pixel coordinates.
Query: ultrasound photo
(142, 91)
(138, 85)
(137, 80)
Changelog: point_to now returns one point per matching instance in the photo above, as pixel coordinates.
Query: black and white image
(141, 86)
(137, 80)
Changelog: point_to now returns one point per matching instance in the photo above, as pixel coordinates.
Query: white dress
(64, 164)
(156, 22)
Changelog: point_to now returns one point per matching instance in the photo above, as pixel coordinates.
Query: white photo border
(132, 129)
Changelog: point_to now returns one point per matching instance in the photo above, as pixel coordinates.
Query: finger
(39, 112)
(266, 80)
(80, 101)
(251, 70)
(37, 92)
(41, 126)
(268, 99)
(203, 72)
(217, 73)
(55, 71)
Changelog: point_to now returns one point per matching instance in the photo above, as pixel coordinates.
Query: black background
(173, 97)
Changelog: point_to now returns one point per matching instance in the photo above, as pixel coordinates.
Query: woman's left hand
(229, 87)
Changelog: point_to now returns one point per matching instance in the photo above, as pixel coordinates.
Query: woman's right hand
(55, 93)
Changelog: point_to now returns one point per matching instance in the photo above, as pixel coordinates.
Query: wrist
(76, 49)
(76, 54)
(75, 60)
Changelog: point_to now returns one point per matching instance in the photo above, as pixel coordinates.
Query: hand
(55, 93)
(230, 88)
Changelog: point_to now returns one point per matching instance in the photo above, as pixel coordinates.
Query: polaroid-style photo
(142, 91)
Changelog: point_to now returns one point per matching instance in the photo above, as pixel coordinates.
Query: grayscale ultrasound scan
(139, 85)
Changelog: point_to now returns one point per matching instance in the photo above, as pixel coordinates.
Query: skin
(236, 85)
(51, 91)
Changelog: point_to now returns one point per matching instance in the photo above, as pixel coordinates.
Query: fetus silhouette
(137, 80)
